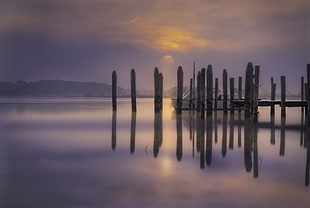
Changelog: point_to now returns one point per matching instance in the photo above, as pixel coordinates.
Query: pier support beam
(209, 90)
(225, 91)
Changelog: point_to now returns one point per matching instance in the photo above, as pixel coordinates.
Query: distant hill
(53, 88)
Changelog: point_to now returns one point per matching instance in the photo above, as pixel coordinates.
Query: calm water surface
(75, 152)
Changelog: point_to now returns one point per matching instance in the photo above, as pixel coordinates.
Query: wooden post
(114, 93)
(239, 91)
(232, 94)
(133, 91)
(302, 84)
(225, 91)
(179, 90)
(283, 95)
(113, 139)
(156, 90)
(273, 95)
(239, 88)
(248, 90)
(203, 91)
(194, 86)
(216, 93)
(256, 90)
(209, 90)
(161, 90)
(308, 94)
(198, 92)
(191, 94)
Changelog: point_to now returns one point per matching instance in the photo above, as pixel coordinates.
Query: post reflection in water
(224, 138)
(239, 128)
(179, 149)
(307, 143)
(215, 127)
(209, 140)
(247, 144)
(113, 130)
(133, 132)
(158, 133)
(231, 130)
(282, 136)
(272, 130)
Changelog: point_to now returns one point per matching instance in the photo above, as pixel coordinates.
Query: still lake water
(75, 152)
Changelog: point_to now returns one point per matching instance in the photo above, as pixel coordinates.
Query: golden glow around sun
(178, 40)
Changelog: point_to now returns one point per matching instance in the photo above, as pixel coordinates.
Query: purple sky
(86, 40)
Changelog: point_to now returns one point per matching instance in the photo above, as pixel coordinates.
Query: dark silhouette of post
(308, 95)
(232, 94)
(114, 93)
(239, 90)
(203, 91)
(113, 140)
(215, 127)
(248, 93)
(256, 91)
(216, 93)
(179, 149)
(133, 91)
(209, 90)
(273, 95)
(194, 86)
(198, 92)
(179, 90)
(307, 143)
(283, 96)
(133, 132)
(302, 92)
(161, 90)
(191, 100)
(225, 91)
(156, 91)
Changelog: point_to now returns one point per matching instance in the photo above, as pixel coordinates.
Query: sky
(85, 40)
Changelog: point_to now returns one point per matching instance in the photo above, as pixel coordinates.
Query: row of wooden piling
(204, 87)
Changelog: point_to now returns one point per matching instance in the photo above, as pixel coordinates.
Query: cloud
(164, 24)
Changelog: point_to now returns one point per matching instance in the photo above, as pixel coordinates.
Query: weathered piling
(133, 91)
(209, 90)
(194, 86)
(114, 86)
(308, 95)
(239, 91)
(191, 102)
(179, 90)
(225, 91)
(283, 95)
(248, 90)
(302, 85)
(232, 94)
(156, 90)
(198, 92)
(161, 90)
(273, 95)
(216, 93)
(256, 90)
(203, 91)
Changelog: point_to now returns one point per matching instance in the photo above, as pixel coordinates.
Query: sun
(167, 60)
